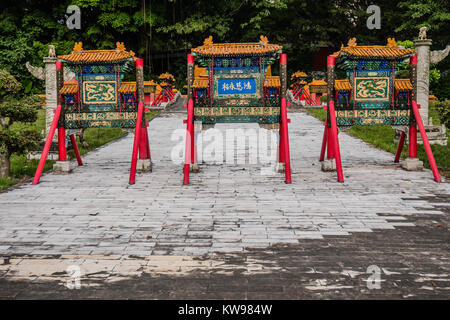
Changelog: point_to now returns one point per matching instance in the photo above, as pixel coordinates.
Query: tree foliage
(163, 31)
(15, 108)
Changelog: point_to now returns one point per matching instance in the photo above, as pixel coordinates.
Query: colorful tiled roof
(390, 50)
(403, 84)
(201, 82)
(298, 74)
(167, 77)
(130, 86)
(127, 87)
(315, 82)
(230, 49)
(198, 71)
(79, 55)
(272, 81)
(69, 87)
(342, 85)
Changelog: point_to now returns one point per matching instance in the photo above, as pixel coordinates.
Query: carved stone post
(423, 76)
(51, 94)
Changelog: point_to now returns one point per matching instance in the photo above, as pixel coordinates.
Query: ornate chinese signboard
(371, 95)
(233, 83)
(99, 98)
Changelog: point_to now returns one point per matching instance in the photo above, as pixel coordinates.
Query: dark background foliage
(163, 31)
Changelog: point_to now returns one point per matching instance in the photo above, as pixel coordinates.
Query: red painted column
(412, 147)
(284, 120)
(330, 144)
(281, 147)
(189, 156)
(62, 152)
(188, 150)
(143, 149)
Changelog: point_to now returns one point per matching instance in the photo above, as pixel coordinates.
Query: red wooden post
(137, 137)
(148, 145)
(426, 143)
(335, 140)
(281, 147)
(284, 120)
(143, 144)
(324, 143)
(73, 141)
(400, 147)
(47, 145)
(189, 155)
(412, 147)
(62, 151)
(189, 145)
(330, 143)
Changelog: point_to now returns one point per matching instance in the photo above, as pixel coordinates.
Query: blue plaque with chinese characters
(236, 86)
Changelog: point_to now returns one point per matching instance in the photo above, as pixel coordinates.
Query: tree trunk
(4, 165)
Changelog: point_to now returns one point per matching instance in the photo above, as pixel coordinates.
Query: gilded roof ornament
(391, 43)
(78, 47)
(208, 41)
(263, 40)
(352, 42)
(120, 46)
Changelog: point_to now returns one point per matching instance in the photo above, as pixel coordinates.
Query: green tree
(13, 110)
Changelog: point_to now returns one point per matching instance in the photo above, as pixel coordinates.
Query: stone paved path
(232, 221)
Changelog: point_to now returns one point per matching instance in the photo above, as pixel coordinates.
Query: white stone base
(329, 165)
(279, 167)
(412, 164)
(144, 165)
(62, 167)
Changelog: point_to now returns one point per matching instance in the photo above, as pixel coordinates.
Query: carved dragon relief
(439, 55)
(39, 72)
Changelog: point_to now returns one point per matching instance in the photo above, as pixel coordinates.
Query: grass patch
(22, 169)
(382, 137)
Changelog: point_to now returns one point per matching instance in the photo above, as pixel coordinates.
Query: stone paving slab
(227, 210)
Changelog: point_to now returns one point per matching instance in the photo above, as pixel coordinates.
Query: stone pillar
(51, 94)
(423, 76)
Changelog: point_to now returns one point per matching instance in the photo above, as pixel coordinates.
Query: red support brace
(137, 137)
(324, 143)
(47, 145)
(335, 139)
(73, 141)
(401, 142)
(426, 143)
